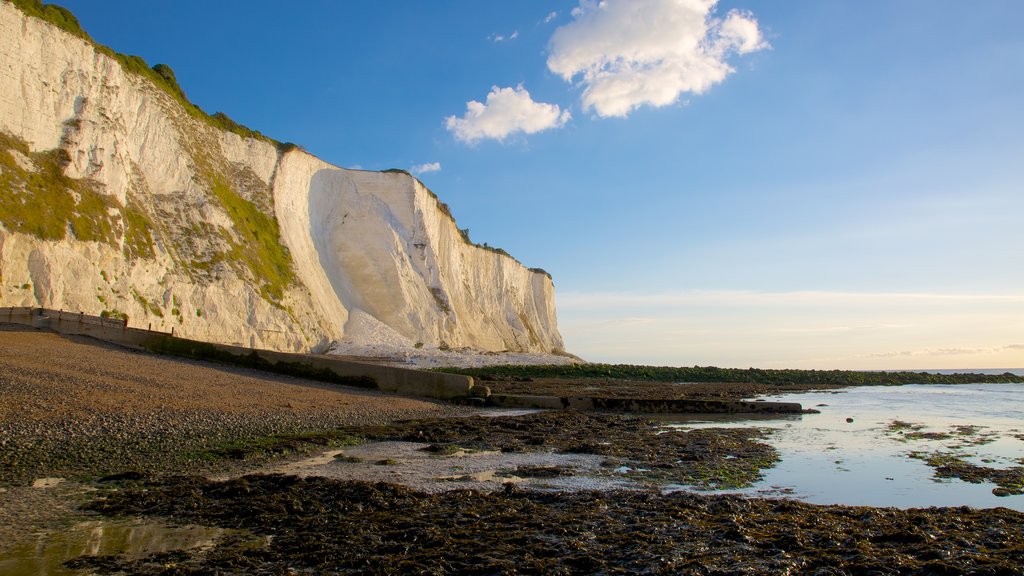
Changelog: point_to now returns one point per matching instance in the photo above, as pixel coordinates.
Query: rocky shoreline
(178, 442)
(315, 525)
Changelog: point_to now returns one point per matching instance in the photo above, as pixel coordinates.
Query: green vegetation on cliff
(38, 199)
(43, 202)
(59, 16)
(258, 243)
(255, 240)
(138, 240)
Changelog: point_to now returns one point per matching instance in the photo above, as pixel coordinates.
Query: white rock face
(376, 249)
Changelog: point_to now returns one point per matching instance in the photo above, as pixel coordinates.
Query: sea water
(854, 453)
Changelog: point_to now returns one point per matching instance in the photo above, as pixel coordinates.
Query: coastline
(205, 444)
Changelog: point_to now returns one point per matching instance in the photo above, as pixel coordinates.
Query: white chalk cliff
(118, 197)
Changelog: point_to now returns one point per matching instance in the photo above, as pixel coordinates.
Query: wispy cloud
(551, 16)
(503, 38)
(507, 111)
(926, 352)
(425, 168)
(632, 53)
(959, 351)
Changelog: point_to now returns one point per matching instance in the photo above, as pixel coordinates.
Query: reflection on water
(45, 554)
(851, 454)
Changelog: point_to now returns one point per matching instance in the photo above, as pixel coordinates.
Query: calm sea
(851, 453)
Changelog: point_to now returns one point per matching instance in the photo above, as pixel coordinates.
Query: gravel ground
(76, 408)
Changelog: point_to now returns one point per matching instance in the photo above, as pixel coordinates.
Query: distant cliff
(117, 196)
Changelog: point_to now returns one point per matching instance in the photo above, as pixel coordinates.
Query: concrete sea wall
(389, 379)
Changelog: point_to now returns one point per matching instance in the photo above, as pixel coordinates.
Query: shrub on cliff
(57, 15)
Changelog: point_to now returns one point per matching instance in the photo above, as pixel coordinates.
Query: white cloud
(424, 168)
(503, 38)
(506, 112)
(551, 16)
(739, 32)
(631, 53)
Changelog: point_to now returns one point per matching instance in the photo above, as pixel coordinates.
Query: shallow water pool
(45, 553)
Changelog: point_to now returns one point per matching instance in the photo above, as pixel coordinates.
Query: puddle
(45, 554)
(408, 464)
(852, 453)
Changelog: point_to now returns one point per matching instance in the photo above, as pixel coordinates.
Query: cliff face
(117, 196)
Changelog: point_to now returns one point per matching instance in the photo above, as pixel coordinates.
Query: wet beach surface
(480, 492)
(639, 451)
(323, 526)
(330, 525)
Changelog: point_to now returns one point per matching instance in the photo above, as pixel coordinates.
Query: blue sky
(807, 183)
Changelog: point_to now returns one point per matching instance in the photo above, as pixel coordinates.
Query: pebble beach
(76, 408)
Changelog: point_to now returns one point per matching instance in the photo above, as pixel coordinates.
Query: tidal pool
(45, 554)
(858, 450)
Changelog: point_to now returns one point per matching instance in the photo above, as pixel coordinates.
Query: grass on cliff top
(59, 16)
(713, 374)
